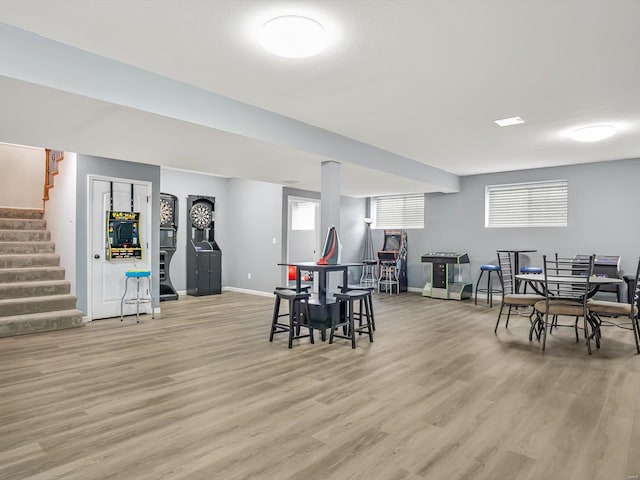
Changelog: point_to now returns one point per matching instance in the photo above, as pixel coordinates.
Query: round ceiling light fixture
(293, 36)
(592, 133)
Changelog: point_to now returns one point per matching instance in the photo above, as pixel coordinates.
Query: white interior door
(107, 278)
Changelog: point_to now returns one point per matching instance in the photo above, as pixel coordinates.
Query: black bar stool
(348, 299)
(489, 290)
(298, 314)
(358, 315)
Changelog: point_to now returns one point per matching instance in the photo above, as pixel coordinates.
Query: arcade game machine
(394, 249)
(204, 257)
(168, 239)
(447, 279)
(606, 266)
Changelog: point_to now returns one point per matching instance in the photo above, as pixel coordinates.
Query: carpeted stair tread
(24, 236)
(22, 306)
(39, 322)
(8, 248)
(22, 224)
(19, 260)
(30, 274)
(11, 212)
(34, 289)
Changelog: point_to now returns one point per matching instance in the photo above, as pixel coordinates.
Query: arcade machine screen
(391, 242)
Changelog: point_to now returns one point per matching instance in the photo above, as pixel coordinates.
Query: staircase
(34, 296)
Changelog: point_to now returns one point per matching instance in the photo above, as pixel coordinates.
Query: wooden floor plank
(200, 393)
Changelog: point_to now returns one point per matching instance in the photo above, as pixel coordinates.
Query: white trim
(247, 291)
(86, 319)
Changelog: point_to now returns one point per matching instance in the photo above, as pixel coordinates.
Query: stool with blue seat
(489, 268)
(137, 300)
(529, 270)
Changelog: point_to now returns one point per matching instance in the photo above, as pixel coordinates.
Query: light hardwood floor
(200, 393)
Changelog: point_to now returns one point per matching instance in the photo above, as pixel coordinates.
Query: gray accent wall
(255, 221)
(182, 183)
(602, 219)
(108, 167)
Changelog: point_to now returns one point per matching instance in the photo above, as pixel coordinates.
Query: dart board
(166, 212)
(201, 215)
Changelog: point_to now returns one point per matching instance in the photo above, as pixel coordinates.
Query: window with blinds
(398, 211)
(539, 204)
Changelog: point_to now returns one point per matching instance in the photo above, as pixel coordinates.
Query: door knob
(96, 256)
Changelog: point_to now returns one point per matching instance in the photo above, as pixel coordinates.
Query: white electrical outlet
(248, 276)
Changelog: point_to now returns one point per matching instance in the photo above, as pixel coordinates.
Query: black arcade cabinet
(168, 239)
(204, 257)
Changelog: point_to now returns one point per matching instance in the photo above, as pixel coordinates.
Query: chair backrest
(636, 294)
(568, 267)
(506, 272)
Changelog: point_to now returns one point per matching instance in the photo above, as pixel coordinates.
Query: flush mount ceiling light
(592, 133)
(507, 122)
(293, 36)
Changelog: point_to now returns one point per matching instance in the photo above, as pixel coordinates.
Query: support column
(329, 198)
(330, 210)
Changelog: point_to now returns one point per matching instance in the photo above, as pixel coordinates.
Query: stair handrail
(52, 157)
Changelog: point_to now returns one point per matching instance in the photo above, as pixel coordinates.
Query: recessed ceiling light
(293, 36)
(507, 122)
(592, 133)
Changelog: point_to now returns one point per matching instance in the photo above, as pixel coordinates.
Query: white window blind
(539, 204)
(399, 211)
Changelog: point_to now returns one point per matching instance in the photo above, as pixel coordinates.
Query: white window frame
(409, 211)
(527, 205)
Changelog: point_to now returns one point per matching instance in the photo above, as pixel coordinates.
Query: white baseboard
(245, 290)
(86, 319)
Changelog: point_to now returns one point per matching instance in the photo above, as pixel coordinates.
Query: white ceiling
(422, 80)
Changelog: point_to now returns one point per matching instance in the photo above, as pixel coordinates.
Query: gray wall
(182, 184)
(602, 219)
(107, 167)
(255, 220)
(353, 229)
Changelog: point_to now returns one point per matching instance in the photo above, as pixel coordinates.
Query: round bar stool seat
(529, 270)
(349, 298)
(489, 268)
(299, 316)
(137, 300)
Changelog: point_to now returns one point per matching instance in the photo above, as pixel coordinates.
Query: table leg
(298, 279)
(322, 287)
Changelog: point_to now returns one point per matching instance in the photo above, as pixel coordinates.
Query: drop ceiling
(414, 86)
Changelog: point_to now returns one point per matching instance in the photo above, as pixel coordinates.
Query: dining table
(322, 304)
(537, 279)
